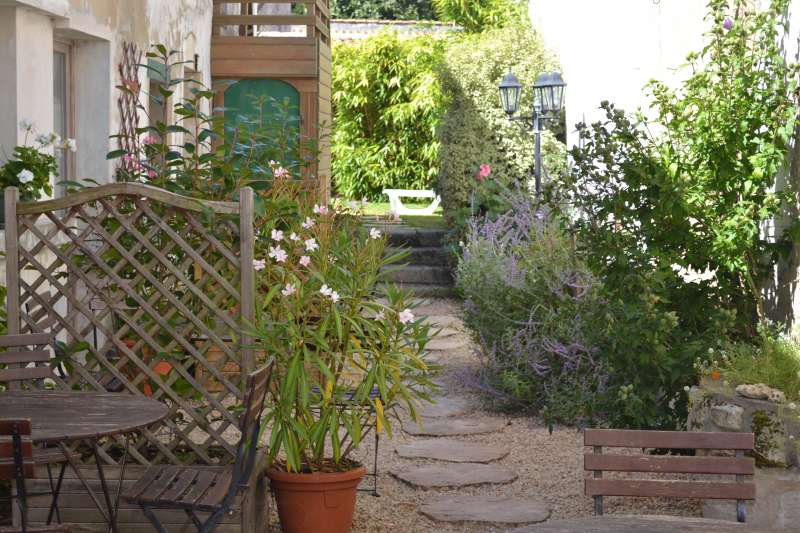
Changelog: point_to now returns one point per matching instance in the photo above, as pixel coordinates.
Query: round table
(60, 417)
(638, 524)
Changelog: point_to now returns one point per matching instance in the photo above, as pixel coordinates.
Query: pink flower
(321, 209)
(150, 139)
(289, 290)
(405, 316)
(127, 158)
(305, 261)
(483, 172)
(277, 235)
(309, 223)
(280, 172)
(311, 244)
(294, 236)
(278, 254)
(151, 174)
(259, 264)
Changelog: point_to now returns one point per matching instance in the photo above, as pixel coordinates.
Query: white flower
(25, 176)
(405, 316)
(278, 254)
(321, 209)
(294, 236)
(71, 145)
(309, 223)
(277, 235)
(289, 290)
(305, 261)
(259, 264)
(792, 406)
(325, 290)
(334, 296)
(380, 315)
(311, 244)
(687, 388)
(26, 124)
(43, 139)
(374, 233)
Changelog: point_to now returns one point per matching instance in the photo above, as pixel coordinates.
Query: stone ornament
(760, 391)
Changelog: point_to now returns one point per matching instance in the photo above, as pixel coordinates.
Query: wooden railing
(242, 18)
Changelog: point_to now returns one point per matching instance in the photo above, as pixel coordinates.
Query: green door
(266, 112)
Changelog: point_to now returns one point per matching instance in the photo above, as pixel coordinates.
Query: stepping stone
(455, 426)
(500, 510)
(446, 407)
(446, 333)
(451, 450)
(455, 475)
(447, 344)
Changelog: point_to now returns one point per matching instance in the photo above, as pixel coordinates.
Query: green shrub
(388, 102)
(535, 310)
(383, 9)
(475, 130)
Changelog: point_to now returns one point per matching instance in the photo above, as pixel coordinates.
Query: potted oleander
(348, 355)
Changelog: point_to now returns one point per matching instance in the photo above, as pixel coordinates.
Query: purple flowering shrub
(532, 307)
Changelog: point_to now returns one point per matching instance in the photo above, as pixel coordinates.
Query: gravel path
(549, 466)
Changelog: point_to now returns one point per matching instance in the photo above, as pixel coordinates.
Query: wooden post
(246, 243)
(12, 262)
(741, 505)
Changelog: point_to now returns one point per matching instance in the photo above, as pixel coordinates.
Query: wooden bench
(397, 207)
(738, 466)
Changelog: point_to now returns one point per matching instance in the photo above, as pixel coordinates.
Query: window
(63, 110)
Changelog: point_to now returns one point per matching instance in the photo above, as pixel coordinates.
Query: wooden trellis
(152, 284)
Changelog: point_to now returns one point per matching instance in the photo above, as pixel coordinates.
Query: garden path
(548, 467)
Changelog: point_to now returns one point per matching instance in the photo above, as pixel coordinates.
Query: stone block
(728, 416)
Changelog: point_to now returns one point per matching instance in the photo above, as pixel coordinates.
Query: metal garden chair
(199, 489)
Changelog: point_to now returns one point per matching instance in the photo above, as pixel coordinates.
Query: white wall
(609, 49)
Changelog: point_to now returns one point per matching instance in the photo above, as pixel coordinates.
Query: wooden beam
(263, 20)
(704, 440)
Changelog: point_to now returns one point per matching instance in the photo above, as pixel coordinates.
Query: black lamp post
(548, 100)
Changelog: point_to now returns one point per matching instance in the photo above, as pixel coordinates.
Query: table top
(639, 524)
(58, 416)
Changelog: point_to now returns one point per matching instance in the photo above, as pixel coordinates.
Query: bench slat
(27, 339)
(670, 464)
(624, 438)
(38, 356)
(670, 489)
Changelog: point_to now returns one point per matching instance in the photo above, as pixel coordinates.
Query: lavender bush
(533, 308)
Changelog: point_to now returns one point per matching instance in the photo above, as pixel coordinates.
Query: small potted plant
(29, 168)
(347, 357)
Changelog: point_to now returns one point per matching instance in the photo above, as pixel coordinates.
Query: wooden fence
(148, 292)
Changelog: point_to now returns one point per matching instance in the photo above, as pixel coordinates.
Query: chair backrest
(22, 351)
(255, 396)
(737, 465)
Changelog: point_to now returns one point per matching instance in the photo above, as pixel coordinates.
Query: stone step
(420, 275)
(495, 510)
(429, 255)
(451, 427)
(445, 407)
(454, 451)
(414, 237)
(454, 475)
(447, 344)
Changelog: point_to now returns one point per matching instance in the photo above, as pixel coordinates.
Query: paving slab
(454, 475)
(450, 427)
(499, 510)
(447, 344)
(446, 407)
(454, 451)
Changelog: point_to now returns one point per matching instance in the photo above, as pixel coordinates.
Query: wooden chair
(198, 489)
(17, 464)
(738, 466)
(26, 365)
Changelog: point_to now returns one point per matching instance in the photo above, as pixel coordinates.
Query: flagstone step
(445, 408)
(454, 475)
(453, 451)
(495, 510)
(451, 427)
(447, 344)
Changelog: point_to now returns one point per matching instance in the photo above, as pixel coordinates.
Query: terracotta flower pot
(319, 502)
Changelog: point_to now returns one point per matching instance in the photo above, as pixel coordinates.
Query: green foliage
(475, 130)
(773, 360)
(383, 9)
(668, 211)
(336, 336)
(476, 16)
(387, 105)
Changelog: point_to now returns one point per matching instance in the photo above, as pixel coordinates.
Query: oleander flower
(278, 254)
(405, 316)
(277, 235)
(289, 290)
(321, 209)
(311, 244)
(294, 237)
(259, 264)
(305, 261)
(308, 224)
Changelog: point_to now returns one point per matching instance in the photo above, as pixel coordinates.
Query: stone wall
(715, 406)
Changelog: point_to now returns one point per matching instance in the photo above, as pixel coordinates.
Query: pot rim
(316, 477)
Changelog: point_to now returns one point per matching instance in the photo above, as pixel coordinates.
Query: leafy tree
(478, 15)
(383, 9)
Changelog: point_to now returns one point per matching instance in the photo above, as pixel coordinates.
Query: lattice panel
(127, 103)
(155, 291)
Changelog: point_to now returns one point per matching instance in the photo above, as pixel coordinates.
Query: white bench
(397, 207)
